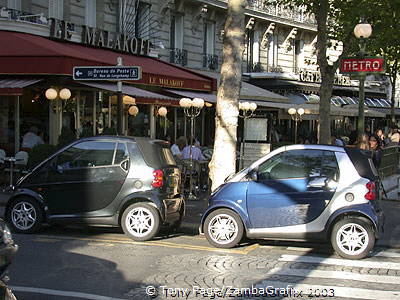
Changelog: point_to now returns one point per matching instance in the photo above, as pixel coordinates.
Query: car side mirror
(318, 182)
(253, 175)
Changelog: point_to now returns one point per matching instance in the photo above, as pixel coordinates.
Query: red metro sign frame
(362, 65)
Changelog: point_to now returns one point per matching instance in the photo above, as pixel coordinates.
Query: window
(56, 9)
(298, 57)
(142, 22)
(208, 38)
(273, 50)
(86, 154)
(176, 32)
(121, 153)
(14, 4)
(300, 164)
(90, 13)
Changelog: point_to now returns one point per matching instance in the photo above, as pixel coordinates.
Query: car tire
(223, 228)
(24, 215)
(140, 221)
(353, 238)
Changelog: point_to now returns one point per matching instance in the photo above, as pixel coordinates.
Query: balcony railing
(210, 61)
(13, 14)
(297, 14)
(178, 56)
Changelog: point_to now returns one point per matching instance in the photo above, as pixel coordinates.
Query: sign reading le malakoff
(107, 73)
(354, 65)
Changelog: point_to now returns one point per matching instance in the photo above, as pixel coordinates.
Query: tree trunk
(223, 161)
(327, 73)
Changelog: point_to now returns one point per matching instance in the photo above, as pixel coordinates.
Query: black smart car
(105, 180)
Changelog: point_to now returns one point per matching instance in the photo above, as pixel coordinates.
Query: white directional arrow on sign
(78, 73)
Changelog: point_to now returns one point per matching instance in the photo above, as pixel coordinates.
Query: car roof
(315, 147)
(118, 137)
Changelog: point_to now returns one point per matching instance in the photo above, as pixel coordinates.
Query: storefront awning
(206, 97)
(14, 87)
(251, 92)
(141, 96)
(23, 53)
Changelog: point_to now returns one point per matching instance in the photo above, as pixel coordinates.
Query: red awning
(22, 53)
(15, 87)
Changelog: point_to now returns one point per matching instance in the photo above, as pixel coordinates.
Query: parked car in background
(105, 180)
(300, 192)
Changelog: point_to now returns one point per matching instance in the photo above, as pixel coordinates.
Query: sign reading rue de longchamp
(362, 65)
(107, 73)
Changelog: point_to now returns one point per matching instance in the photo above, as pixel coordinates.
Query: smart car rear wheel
(140, 221)
(353, 238)
(223, 228)
(24, 215)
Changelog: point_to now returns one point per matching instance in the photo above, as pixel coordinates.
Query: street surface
(102, 263)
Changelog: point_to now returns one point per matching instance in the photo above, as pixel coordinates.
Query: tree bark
(327, 74)
(223, 162)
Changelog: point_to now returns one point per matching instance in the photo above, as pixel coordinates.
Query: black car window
(86, 154)
(293, 164)
(121, 153)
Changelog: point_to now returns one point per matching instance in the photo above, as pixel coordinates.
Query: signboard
(250, 152)
(107, 73)
(255, 129)
(356, 65)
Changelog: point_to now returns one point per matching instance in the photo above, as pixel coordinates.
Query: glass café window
(86, 154)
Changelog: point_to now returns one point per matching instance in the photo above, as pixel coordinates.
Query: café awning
(14, 87)
(141, 96)
(22, 54)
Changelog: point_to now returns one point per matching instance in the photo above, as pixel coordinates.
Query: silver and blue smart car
(300, 192)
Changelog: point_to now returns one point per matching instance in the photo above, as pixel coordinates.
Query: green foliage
(39, 153)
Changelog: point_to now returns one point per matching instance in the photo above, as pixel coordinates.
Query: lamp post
(362, 31)
(192, 109)
(246, 110)
(296, 115)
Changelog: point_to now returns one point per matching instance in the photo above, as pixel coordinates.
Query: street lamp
(246, 109)
(362, 31)
(296, 115)
(192, 109)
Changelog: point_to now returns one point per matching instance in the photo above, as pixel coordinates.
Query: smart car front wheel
(353, 238)
(223, 228)
(140, 221)
(24, 215)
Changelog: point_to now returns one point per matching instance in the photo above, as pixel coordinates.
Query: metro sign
(356, 65)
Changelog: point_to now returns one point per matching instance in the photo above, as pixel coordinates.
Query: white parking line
(61, 293)
(338, 291)
(341, 262)
(335, 275)
(385, 253)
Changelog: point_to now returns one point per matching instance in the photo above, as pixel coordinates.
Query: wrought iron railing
(17, 15)
(297, 14)
(178, 56)
(210, 61)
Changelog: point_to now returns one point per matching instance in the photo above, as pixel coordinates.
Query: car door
(291, 188)
(86, 177)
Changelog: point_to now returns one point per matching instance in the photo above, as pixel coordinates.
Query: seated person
(196, 152)
(31, 139)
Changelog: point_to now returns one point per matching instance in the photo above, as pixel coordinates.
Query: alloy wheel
(352, 239)
(23, 216)
(223, 229)
(140, 221)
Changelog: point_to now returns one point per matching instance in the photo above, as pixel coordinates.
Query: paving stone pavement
(221, 276)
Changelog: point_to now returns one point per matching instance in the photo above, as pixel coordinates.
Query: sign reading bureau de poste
(107, 73)
(362, 65)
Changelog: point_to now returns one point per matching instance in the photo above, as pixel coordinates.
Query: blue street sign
(107, 73)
